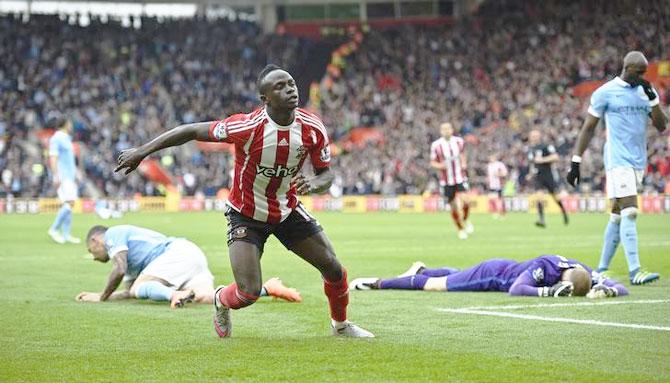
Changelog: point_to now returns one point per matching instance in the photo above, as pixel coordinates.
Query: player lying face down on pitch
(159, 268)
(544, 276)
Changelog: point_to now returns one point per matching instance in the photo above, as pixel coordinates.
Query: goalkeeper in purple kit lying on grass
(544, 276)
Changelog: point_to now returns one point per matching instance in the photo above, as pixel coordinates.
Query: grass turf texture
(46, 336)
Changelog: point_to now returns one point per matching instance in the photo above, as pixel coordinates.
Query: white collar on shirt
(280, 127)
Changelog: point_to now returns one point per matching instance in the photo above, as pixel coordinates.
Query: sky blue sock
(155, 291)
(610, 242)
(67, 223)
(629, 238)
(59, 217)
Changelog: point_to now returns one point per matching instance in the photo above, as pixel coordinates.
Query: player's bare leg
(245, 262)
(454, 204)
(540, 209)
(500, 201)
(158, 289)
(465, 207)
(318, 252)
(560, 205)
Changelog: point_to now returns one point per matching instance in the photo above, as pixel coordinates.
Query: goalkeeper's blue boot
(641, 277)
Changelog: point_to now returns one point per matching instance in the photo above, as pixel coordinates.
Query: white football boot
(347, 329)
(222, 323)
(413, 270)
(363, 284)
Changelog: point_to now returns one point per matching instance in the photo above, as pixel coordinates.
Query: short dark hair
(55, 120)
(95, 230)
(268, 68)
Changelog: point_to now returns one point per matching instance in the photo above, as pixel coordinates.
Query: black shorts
(545, 181)
(498, 192)
(296, 227)
(449, 191)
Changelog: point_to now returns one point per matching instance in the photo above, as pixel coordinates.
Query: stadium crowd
(497, 75)
(122, 86)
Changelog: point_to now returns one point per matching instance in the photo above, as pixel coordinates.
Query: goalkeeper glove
(647, 88)
(601, 291)
(561, 289)
(574, 175)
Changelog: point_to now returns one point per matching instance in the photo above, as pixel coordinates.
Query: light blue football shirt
(625, 110)
(60, 145)
(143, 246)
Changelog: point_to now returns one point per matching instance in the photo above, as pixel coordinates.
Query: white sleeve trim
(654, 102)
(594, 112)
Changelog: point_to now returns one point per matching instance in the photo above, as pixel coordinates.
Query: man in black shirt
(541, 157)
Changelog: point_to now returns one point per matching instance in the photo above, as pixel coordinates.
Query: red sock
(457, 220)
(338, 297)
(466, 211)
(231, 296)
(502, 206)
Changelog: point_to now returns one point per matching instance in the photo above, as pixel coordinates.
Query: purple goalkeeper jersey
(501, 274)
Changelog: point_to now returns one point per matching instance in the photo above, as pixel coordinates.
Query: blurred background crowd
(495, 75)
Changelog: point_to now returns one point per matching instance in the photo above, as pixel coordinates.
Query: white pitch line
(564, 320)
(575, 304)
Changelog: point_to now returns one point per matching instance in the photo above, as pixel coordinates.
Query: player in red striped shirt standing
(447, 155)
(271, 145)
(496, 171)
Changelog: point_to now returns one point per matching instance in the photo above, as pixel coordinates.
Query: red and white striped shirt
(267, 156)
(448, 152)
(495, 172)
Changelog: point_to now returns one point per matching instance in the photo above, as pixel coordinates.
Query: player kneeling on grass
(544, 276)
(159, 268)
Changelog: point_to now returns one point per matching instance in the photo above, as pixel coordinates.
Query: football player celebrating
(447, 156)
(271, 144)
(158, 268)
(544, 276)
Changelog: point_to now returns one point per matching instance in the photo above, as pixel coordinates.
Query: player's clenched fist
(129, 159)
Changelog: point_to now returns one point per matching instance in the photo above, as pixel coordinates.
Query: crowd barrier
(656, 204)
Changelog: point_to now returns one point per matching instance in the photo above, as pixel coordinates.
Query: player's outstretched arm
(130, 159)
(585, 136)
(524, 285)
(116, 276)
(86, 296)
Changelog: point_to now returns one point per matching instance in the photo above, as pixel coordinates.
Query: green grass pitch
(46, 336)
